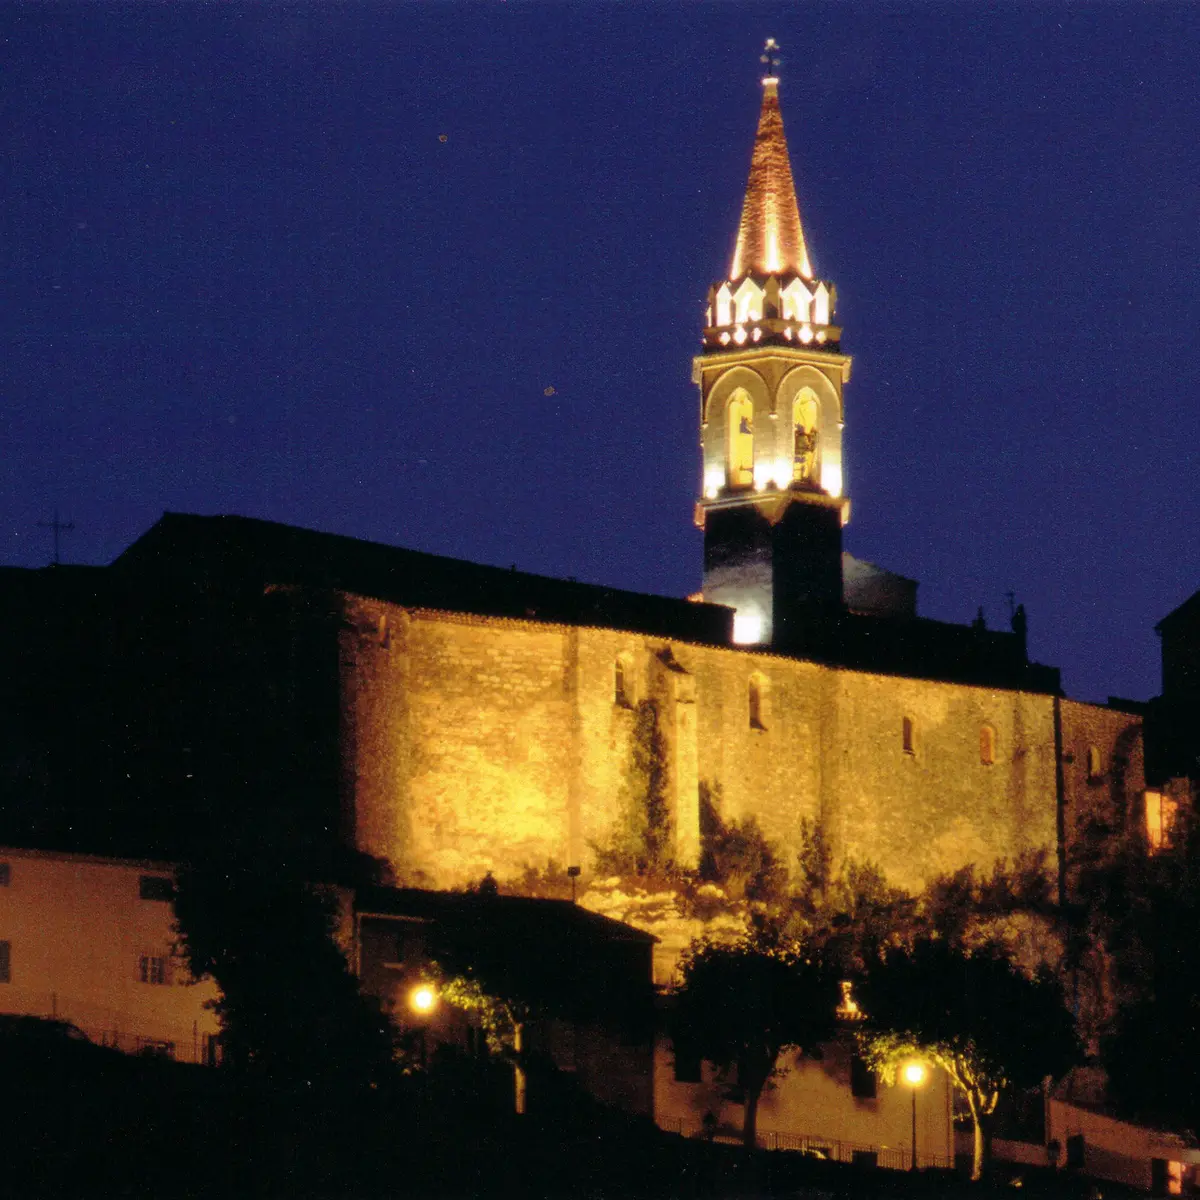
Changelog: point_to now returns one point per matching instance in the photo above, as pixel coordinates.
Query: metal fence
(894, 1158)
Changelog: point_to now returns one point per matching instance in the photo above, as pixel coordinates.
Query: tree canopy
(972, 1013)
(290, 1008)
(741, 1005)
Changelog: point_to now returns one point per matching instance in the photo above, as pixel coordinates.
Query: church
(454, 720)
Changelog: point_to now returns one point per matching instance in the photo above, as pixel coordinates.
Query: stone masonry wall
(1111, 795)
(474, 744)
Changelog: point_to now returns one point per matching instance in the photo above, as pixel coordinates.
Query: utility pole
(59, 527)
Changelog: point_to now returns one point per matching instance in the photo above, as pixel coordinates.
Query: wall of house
(814, 1102)
(1102, 1147)
(78, 931)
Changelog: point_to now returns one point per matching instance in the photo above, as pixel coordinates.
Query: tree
(972, 1013)
(290, 1008)
(640, 842)
(1142, 915)
(741, 1005)
(737, 855)
(502, 1020)
(1013, 907)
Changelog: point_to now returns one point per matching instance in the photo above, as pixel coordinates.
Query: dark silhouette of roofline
(236, 551)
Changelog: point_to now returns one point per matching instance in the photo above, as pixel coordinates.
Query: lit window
(1161, 815)
(987, 745)
(152, 968)
(748, 302)
(908, 736)
(724, 308)
(747, 628)
(796, 299)
(821, 305)
(758, 701)
(1095, 766)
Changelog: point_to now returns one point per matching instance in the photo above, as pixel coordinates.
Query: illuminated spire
(770, 239)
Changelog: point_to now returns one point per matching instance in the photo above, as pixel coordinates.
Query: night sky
(434, 274)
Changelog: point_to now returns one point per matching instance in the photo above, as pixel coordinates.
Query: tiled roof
(770, 239)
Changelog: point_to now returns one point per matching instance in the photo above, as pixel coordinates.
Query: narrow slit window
(908, 736)
(1095, 765)
(622, 682)
(757, 698)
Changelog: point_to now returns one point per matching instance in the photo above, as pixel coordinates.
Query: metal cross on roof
(770, 55)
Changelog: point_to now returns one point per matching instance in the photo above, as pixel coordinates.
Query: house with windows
(833, 1106)
(90, 941)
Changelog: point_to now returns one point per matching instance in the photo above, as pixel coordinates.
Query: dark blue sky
(321, 264)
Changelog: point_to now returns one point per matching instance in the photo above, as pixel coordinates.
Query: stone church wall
(473, 744)
(1103, 776)
(937, 806)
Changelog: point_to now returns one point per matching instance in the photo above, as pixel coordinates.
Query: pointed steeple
(771, 372)
(770, 238)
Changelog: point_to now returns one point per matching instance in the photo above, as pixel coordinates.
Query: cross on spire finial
(770, 56)
(59, 527)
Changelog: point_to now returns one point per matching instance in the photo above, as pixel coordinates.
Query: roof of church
(523, 917)
(770, 238)
(236, 551)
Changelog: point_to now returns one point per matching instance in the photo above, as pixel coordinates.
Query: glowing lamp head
(423, 998)
(914, 1073)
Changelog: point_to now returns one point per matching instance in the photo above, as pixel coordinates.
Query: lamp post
(423, 1000)
(914, 1075)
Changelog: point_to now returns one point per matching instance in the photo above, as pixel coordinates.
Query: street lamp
(914, 1075)
(423, 1000)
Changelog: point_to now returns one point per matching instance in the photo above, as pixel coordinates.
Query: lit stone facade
(476, 744)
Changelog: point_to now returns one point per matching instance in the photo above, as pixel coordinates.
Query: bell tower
(770, 375)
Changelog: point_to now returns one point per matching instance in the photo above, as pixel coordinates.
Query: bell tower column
(771, 374)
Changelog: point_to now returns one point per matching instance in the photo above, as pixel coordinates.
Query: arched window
(740, 439)
(987, 745)
(757, 695)
(908, 736)
(1095, 767)
(804, 436)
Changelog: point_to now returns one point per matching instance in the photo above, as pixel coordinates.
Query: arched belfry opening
(739, 439)
(806, 447)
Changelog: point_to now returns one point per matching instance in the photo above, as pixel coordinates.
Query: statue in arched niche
(805, 441)
(805, 464)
